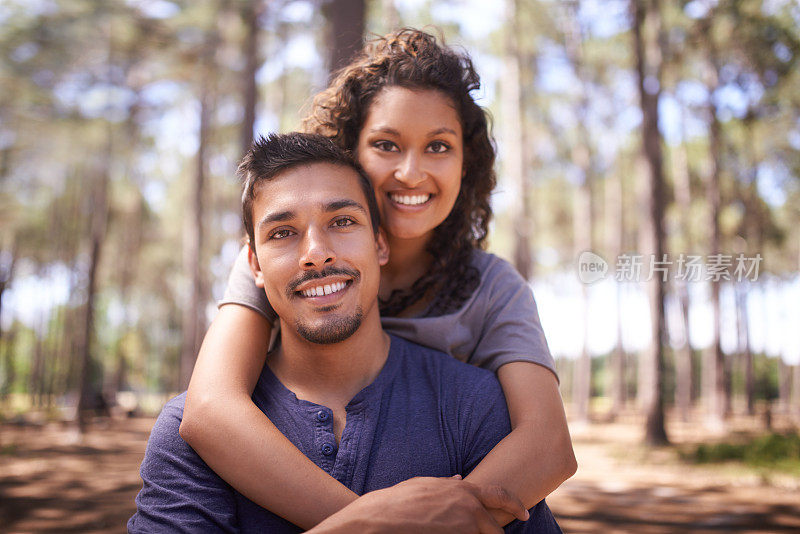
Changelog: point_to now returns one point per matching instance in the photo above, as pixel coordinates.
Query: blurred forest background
(625, 128)
(664, 133)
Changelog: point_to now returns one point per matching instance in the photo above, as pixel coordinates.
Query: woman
(405, 110)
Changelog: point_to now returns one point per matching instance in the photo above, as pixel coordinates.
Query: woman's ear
(383, 247)
(255, 268)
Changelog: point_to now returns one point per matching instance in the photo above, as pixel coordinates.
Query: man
(371, 410)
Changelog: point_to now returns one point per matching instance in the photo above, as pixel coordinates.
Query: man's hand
(425, 504)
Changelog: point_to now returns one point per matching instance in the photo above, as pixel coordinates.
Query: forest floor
(52, 480)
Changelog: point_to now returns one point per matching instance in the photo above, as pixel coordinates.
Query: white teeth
(327, 289)
(410, 200)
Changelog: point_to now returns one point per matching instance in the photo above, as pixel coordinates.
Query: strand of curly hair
(415, 60)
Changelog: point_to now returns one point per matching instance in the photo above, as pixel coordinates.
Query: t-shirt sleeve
(486, 423)
(242, 289)
(180, 493)
(485, 420)
(511, 328)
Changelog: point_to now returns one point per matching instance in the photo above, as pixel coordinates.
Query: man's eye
(385, 146)
(343, 222)
(280, 234)
(438, 147)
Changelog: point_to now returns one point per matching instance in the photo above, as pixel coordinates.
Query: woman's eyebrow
(442, 130)
(384, 129)
(432, 133)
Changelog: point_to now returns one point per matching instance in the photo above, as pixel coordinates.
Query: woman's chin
(408, 232)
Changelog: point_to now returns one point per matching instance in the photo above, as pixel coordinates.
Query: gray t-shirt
(497, 325)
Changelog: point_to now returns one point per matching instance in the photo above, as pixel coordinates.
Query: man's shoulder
(173, 409)
(435, 364)
(165, 436)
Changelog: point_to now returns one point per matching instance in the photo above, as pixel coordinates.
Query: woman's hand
(426, 504)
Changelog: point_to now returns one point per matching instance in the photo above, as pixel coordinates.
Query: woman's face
(411, 146)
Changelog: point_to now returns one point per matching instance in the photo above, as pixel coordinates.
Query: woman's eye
(280, 234)
(385, 146)
(438, 147)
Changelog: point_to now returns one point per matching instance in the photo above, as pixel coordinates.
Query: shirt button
(322, 416)
(327, 449)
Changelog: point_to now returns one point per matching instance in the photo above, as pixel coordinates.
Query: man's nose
(316, 251)
(410, 172)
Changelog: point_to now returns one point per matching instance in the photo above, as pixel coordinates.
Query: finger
(486, 523)
(457, 477)
(495, 496)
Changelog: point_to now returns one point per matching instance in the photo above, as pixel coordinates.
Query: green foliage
(770, 450)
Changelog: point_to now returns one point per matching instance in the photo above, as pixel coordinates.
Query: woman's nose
(410, 172)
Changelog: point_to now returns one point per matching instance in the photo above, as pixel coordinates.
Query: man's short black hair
(276, 153)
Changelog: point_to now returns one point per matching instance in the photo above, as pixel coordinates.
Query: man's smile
(323, 288)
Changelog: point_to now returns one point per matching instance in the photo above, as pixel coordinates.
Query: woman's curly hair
(415, 60)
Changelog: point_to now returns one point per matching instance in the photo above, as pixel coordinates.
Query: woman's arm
(424, 504)
(537, 456)
(236, 439)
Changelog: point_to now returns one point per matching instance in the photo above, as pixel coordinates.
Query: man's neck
(331, 375)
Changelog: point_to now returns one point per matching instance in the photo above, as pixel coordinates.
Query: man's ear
(383, 247)
(255, 268)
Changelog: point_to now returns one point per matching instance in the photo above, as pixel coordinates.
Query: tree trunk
(513, 135)
(193, 322)
(192, 328)
(784, 385)
(795, 398)
(346, 20)
(127, 268)
(646, 29)
(754, 224)
(582, 221)
(744, 344)
(7, 265)
(683, 354)
(37, 376)
(251, 14)
(614, 240)
(583, 212)
(87, 388)
(714, 363)
(9, 365)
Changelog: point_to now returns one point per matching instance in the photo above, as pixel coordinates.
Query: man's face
(317, 256)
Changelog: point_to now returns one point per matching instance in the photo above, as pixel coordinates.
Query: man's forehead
(321, 186)
(312, 177)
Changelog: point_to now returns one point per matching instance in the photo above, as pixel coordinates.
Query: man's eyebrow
(278, 216)
(336, 205)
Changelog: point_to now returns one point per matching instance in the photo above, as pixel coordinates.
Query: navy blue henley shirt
(426, 414)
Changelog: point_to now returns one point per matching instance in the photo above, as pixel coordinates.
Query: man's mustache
(315, 275)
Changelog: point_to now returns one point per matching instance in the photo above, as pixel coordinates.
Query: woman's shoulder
(495, 272)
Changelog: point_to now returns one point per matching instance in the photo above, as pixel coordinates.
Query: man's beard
(333, 331)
